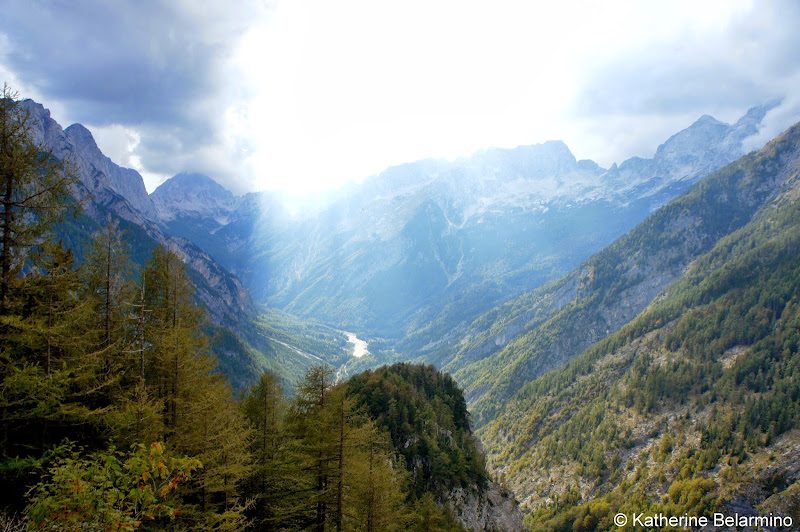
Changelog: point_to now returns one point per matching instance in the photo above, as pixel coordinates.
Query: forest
(116, 417)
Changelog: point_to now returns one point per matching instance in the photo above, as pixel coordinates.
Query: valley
(619, 339)
(284, 266)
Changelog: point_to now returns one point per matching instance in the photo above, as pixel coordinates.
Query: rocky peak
(83, 140)
(694, 139)
(98, 173)
(193, 194)
(45, 131)
(126, 182)
(752, 119)
(536, 161)
(109, 188)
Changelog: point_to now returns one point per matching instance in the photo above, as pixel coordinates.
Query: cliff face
(494, 509)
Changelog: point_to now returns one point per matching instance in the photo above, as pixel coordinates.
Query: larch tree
(109, 273)
(199, 416)
(270, 479)
(375, 499)
(312, 428)
(35, 191)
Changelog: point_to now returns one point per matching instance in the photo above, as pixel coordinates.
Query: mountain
(92, 163)
(539, 331)
(194, 196)
(684, 403)
(626, 338)
(425, 416)
(246, 340)
(417, 253)
(106, 190)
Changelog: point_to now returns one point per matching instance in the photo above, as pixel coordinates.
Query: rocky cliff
(106, 189)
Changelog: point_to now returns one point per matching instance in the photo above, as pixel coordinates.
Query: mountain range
(415, 253)
(412, 257)
(566, 299)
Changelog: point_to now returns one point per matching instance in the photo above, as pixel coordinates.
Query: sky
(304, 95)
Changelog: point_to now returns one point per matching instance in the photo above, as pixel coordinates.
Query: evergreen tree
(374, 481)
(347, 478)
(53, 386)
(312, 428)
(108, 279)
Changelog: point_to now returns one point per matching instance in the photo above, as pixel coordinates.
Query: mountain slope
(106, 188)
(425, 416)
(696, 399)
(542, 330)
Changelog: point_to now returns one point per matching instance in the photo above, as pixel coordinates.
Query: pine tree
(53, 386)
(108, 279)
(345, 476)
(173, 327)
(374, 481)
(45, 345)
(312, 429)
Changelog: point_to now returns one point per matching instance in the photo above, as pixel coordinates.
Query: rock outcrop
(494, 509)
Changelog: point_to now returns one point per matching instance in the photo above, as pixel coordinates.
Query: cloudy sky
(307, 94)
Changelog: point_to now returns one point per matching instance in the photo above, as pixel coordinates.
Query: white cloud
(775, 122)
(302, 94)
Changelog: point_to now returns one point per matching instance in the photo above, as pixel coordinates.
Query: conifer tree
(374, 499)
(109, 274)
(173, 326)
(34, 191)
(198, 416)
(269, 483)
(312, 427)
(47, 357)
(52, 385)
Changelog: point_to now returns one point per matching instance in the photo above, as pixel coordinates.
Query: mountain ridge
(656, 394)
(101, 190)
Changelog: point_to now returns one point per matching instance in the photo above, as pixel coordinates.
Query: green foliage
(426, 416)
(328, 458)
(90, 357)
(109, 490)
(76, 369)
(548, 327)
(34, 191)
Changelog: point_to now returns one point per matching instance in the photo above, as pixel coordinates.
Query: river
(359, 346)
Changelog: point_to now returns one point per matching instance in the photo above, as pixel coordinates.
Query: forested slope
(544, 329)
(693, 406)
